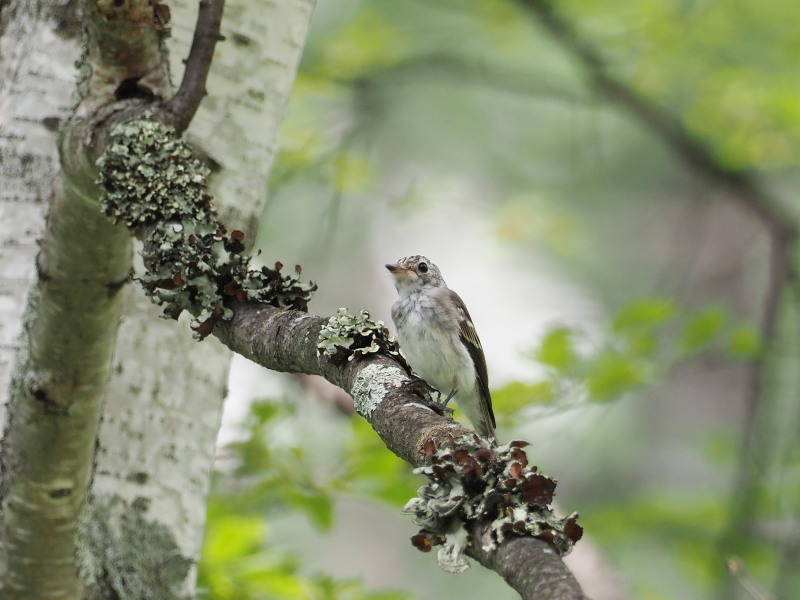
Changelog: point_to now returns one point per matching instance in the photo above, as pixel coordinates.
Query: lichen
(123, 555)
(156, 186)
(344, 337)
(150, 175)
(470, 482)
(372, 384)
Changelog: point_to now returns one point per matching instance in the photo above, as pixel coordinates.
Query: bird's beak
(396, 269)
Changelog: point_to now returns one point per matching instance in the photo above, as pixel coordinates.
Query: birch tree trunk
(163, 402)
(38, 50)
(165, 395)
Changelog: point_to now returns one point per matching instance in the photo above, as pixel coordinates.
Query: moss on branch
(157, 187)
(345, 336)
(470, 482)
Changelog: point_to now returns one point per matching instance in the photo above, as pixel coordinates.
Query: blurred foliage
(373, 471)
(396, 104)
(645, 341)
(727, 67)
(263, 478)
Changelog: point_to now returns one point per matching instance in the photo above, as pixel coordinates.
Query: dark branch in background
(157, 188)
(744, 187)
(185, 102)
(743, 184)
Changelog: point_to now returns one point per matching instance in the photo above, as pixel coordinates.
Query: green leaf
(368, 42)
(317, 504)
(744, 342)
(517, 395)
(646, 314)
(612, 374)
(231, 536)
(351, 173)
(702, 328)
(556, 350)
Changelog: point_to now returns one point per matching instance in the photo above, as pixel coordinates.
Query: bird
(439, 340)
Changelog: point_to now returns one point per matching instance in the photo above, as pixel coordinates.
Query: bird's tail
(484, 426)
(479, 414)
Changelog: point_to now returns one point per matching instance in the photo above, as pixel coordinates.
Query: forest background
(593, 182)
(609, 186)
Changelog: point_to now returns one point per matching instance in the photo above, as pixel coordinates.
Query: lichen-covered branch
(191, 261)
(406, 421)
(157, 188)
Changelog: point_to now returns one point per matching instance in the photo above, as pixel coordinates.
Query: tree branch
(529, 566)
(744, 184)
(445, 67)
(382, 392)
(185, 102)
(746, 188)
(193, 264)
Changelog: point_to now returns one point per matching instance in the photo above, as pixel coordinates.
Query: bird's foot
(449, 396)
(430, 395)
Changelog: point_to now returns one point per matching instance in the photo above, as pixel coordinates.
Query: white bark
(37, 80)
(164, 399)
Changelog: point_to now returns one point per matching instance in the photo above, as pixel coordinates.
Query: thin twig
(184, 104)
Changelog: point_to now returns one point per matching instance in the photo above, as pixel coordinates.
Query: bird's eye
(422, 267)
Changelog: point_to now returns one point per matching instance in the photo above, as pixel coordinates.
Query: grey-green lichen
(150, 175)
(345, 337)
(123, 555)
(156, 186)
(469, 482)
(372, 384)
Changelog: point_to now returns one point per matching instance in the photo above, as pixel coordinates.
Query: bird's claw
(442, 403)
(430, 395)
(449, 396)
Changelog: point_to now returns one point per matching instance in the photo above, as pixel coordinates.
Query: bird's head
(415, 272)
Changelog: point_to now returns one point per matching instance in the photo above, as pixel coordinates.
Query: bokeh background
(611, 187)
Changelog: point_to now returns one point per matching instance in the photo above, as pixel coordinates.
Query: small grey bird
(439, 340)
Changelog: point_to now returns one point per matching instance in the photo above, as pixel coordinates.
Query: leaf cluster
(646, 339)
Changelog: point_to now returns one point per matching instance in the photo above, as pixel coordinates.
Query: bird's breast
(430, 341)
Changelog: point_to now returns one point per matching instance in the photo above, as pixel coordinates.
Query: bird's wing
(469, 337)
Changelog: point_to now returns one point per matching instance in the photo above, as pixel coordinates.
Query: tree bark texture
(164, 400)
(38, 48)
(285, 340)
(64, 356)
(153, 454)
